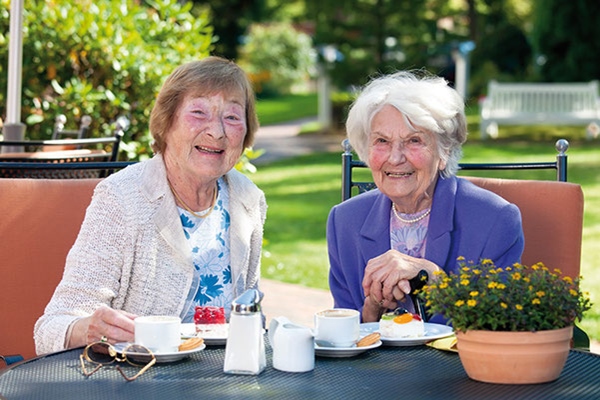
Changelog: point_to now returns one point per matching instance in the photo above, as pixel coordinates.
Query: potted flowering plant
(518, 306)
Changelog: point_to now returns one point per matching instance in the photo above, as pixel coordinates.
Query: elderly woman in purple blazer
(409, 130)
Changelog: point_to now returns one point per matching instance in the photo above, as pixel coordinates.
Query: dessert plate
(432, 332)
(213, 335)
(160, 357)
(341, 352)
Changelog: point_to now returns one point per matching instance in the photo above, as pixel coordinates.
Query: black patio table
(418, 372)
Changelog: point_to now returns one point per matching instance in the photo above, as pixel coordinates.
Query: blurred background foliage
(108, 59)
(101, 58)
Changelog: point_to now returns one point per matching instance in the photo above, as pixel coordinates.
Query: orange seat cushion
(39, 223)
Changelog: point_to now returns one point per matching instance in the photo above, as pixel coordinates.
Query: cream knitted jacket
(131, 253)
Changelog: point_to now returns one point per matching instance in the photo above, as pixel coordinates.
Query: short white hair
(426, 101)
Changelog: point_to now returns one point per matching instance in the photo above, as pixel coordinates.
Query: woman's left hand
(386, 276)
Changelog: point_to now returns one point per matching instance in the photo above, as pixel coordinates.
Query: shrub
(104, 59)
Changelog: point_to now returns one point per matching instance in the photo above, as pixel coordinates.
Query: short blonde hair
(425, 101)
(201, 78)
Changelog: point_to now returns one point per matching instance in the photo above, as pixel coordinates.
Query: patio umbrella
(13, 128)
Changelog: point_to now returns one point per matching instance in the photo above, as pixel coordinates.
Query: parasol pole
(13, 128)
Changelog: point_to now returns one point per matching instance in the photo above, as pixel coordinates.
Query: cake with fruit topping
(206, 315)
(401, 324)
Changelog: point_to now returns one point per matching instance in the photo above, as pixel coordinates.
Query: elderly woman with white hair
(409, 129)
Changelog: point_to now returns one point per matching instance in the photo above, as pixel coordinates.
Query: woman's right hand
(106, 324)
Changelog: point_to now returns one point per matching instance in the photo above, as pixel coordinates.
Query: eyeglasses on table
(99, 354)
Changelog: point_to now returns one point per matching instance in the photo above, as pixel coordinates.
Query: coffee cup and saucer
(161, 334)
(337, 330)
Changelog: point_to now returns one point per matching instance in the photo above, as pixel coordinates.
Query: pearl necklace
(188, 209)
(410, 221)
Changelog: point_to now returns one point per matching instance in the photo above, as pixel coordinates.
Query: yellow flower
(515, 297)
(568, 279)
(460, 258)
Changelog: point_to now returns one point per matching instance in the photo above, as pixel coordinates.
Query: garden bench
(540, 104)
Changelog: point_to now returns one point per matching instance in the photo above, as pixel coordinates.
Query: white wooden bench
(540, 104)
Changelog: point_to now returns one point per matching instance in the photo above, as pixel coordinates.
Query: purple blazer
(465, 220)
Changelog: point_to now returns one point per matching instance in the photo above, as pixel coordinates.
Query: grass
(286, 108)
(301, 191)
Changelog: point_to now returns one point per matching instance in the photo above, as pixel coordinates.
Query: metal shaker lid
(247, 303)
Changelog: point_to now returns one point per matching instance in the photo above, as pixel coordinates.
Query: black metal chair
(60, 132)
(348, 164)
(40, 161)
(65, 170)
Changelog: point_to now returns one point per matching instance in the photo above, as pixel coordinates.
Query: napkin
(447, 344)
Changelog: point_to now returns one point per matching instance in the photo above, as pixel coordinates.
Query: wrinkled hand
(114, 325)
(387, 276)
(373, 310)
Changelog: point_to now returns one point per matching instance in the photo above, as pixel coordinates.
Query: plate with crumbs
(432, 332)
(160, 357)
(213, 334)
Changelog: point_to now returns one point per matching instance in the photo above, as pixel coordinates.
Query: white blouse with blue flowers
(209, 240)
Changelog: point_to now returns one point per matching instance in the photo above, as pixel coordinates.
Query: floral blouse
(209, 240)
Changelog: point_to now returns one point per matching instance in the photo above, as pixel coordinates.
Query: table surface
(418, 372)
(52, 155)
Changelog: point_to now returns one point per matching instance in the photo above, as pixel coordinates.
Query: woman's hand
(104, 324)
(372, 310)
(386, 277)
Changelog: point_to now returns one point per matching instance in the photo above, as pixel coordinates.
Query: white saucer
(432, 332)
(160, 357)
(340, 352)
(213, 335)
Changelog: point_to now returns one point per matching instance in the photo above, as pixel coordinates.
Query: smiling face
(207, 136)
(404, 161)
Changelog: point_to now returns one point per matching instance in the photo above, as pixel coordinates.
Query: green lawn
(286, 108)
(301, 191)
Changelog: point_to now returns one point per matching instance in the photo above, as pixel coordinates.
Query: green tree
(565, 38)
(230, 20)
(278, 57)
(103, 59)
(375, 36)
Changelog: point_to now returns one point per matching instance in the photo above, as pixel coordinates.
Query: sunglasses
(98, 354)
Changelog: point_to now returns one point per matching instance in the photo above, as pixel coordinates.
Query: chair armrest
(8, 360)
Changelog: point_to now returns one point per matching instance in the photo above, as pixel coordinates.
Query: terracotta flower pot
(514, 357)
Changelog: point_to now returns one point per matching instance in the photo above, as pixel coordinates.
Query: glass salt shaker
(245, 348)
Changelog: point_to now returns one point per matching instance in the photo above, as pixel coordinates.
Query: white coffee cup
(159, 333)
(337, 327)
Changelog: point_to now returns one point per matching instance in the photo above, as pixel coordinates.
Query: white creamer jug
(293, 346)
(245, 348)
